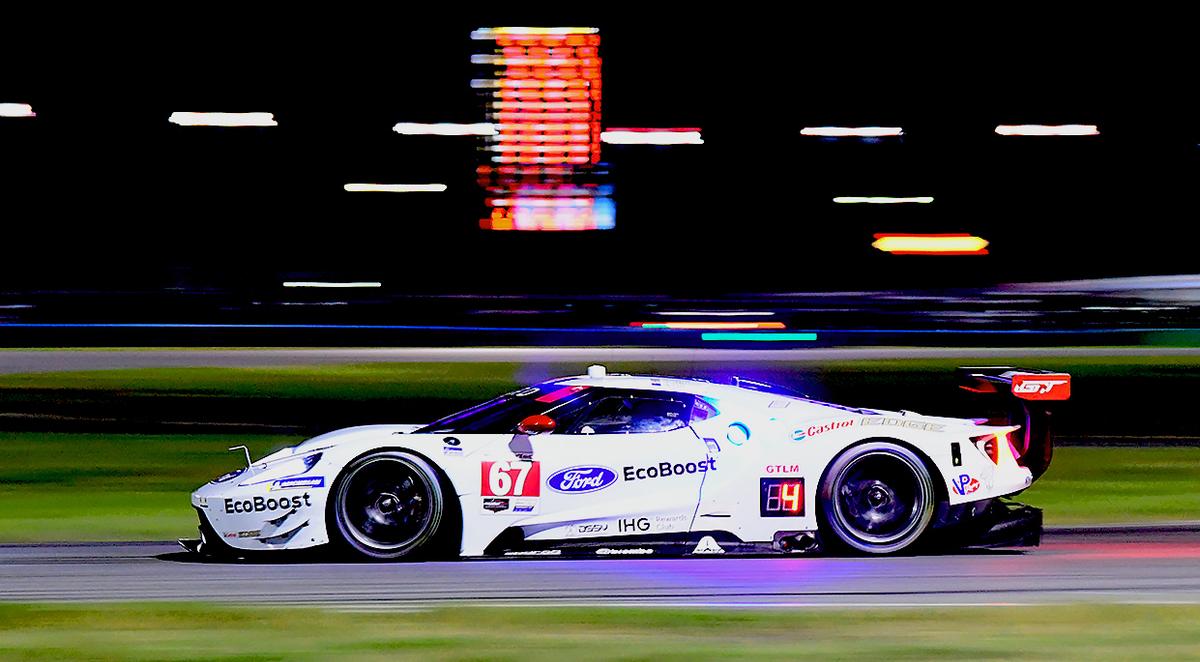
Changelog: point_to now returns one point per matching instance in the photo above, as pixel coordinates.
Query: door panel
(602, 485)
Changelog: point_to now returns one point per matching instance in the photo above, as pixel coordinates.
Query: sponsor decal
(581, 480)
(249, 534)
(510, 478)
(525, 391)
(536, 552)
(1042, 387)
(708, 545)
(964, 484)
(260, 504)
(781, 497)
(509, 506)
(903, 423)
(451, 441)
(633, 524)
(814, 430)
(670, 523)
(782, 468)
(666, 469)
(625, 551)
(297, 482)
(737, 433)
(524, 506)
(452, 450)
(672, 519)
(559, 394)
(495, 505)
(591, 529)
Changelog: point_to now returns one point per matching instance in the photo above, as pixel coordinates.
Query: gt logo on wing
(513, 478)
(1042, 387)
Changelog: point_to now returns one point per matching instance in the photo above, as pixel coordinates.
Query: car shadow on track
(308, 557)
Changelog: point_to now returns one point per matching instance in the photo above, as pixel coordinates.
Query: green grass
(178, 632)
(473, 380)
(1119, 485)
(469, 381)
(60, 487)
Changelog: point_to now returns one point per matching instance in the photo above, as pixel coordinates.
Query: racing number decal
(515, 478)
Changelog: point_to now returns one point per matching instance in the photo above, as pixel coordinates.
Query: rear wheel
(877, 498)
(388, 505)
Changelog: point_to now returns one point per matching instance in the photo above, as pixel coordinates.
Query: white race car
(623, 465)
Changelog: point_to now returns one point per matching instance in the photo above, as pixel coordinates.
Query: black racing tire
(388, 505)
(877, 498)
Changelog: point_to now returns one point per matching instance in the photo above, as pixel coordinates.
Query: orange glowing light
(931, 244)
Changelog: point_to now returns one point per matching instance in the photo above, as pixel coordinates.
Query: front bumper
(257, 517)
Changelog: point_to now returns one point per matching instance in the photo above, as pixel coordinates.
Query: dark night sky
(100, 191)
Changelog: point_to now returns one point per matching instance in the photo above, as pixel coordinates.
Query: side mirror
(536, 424)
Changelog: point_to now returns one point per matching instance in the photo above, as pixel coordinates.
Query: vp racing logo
(964, 485)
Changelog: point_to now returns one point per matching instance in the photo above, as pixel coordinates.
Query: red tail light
(990, 445)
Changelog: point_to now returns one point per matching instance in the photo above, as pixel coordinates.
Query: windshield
(502, 414)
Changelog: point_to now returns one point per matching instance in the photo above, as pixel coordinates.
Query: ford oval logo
(578, 480)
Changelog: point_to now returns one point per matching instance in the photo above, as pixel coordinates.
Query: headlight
(285, 468)
(229, 476)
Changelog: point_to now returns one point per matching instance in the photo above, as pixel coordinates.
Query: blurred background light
(688, 136)
(395, 188)
(16, 110)
(931, 244)
(222, 119)
(717, 313)
(551, 214)
(881, 200)
(852, 131)
(757, 337)
(544, 95)
(336, 285)
(709, 325)
(1048, 130)
(444, 129)
(492, 33)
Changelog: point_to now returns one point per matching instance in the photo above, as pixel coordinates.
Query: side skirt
(512, 544)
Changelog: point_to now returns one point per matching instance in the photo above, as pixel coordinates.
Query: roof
(749, 393)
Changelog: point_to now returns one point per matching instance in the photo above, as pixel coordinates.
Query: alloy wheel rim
(386, 504)
(880, 498)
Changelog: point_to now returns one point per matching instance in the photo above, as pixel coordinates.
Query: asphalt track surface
(31, 361)
(1152, 566)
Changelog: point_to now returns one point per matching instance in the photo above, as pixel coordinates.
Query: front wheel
(388, 505)
(877, 498)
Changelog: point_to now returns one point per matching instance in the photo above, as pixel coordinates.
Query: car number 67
(511, 478)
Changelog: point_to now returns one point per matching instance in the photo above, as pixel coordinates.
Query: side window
(634, 413)
(703, 411)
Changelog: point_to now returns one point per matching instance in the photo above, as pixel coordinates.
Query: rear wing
(1023, 397)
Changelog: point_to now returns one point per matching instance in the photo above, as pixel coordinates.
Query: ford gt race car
(624, 465)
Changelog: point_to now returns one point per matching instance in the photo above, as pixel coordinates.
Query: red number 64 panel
(781, 497)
